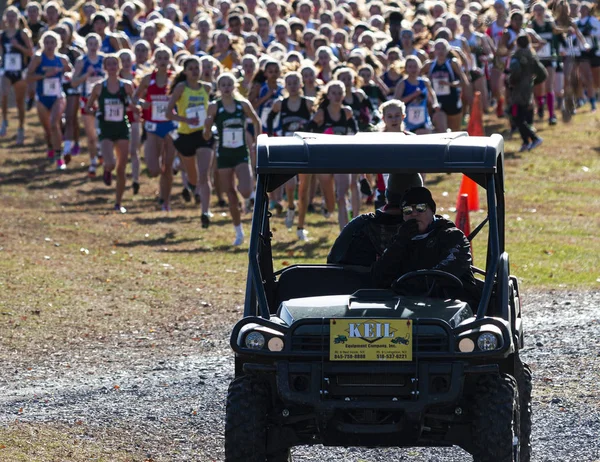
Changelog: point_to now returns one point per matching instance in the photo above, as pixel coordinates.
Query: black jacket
(444, 247)
(363, 240)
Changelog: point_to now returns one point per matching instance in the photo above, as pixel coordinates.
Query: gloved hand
(407, 231)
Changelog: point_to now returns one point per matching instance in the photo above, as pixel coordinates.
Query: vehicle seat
(317, 280)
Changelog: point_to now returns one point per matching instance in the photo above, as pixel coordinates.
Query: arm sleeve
(455, 254)
(388, 268)
(339, 252)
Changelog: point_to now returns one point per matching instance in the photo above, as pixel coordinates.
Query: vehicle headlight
(487, 342)
(255, 340)
(275, 344)
(466, 345)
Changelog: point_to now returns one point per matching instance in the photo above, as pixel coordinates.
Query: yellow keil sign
(370, 340)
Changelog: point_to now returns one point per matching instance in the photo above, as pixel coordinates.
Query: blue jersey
(97, 76)
(106, 46)
(417, 115)
(49, 87)
(265, 108)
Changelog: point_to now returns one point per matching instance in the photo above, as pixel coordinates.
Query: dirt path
(168, 403)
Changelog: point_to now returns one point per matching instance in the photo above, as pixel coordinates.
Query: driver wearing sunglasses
(425, 241)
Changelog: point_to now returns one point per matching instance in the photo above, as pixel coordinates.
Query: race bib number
(159, 111)
(52, 86)
(441, 87)
(13, 62)
(196, 112)
(114, 111)
(90, 82)
(150, 127)
(415, 115)
(233, 138)
(544, 52)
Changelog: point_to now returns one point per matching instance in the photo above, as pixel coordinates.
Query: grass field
(73, 274)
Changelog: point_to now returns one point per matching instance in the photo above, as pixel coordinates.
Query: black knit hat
(398, 184)
(418, 195)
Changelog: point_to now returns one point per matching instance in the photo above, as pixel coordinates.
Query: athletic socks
(550, 101)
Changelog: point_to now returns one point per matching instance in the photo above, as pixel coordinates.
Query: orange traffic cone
(468, 188)
(462, 215)
(475, 127)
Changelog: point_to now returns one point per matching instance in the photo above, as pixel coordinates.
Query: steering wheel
(431, 277)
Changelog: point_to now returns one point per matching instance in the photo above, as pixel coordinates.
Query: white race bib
(113, 111)
(90, 82)
(544, 52)
(52, 86)
(159, 111)
(13, 62)
(441, 87)
(415, 115)
(196, 111)
(233, 138)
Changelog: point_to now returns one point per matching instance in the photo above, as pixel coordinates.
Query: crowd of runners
(189, 85)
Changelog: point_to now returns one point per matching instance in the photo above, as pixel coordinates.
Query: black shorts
(548, 63)
(70, 91)
(187, 144)
(13, 76)
(475, 74)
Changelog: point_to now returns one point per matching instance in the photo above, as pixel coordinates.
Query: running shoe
(239, 240)
(222, 203)
(92, 171)
(540, 112)
(197, 199)
(535, 143)
(119, 208)
(326, 213)
(3, 128)
(302, 234)
(60, 164)
(204, 218)
(524, 147)
(99, 158)
(552, 121)
(289, 218)
(20, 141)
(165, 207)
(50, 155)
(277, 206)
(310, 208)
(185, 193)
(107, 178)
(136, 187)
(75, 149)
(67, 158)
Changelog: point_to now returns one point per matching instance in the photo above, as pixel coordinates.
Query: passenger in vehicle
(363, 240)
(425, 241)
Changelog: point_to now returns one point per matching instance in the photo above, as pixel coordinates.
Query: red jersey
(158, 99)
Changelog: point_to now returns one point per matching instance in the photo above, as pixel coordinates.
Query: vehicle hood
(395, 306)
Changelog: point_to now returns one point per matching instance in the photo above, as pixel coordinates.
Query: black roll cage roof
(281, 158)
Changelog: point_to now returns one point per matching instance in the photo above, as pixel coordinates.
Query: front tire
(248, 405)
(524, 378)
(496, 427)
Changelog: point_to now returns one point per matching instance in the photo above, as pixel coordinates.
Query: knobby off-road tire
(248, 404)
(525, 381)
(496, 420)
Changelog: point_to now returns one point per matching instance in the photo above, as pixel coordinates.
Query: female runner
(229, 114)
(46, 68)
(16, 49)
(114, 97)
(191, 97)
(158, 147)
(88, 72)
